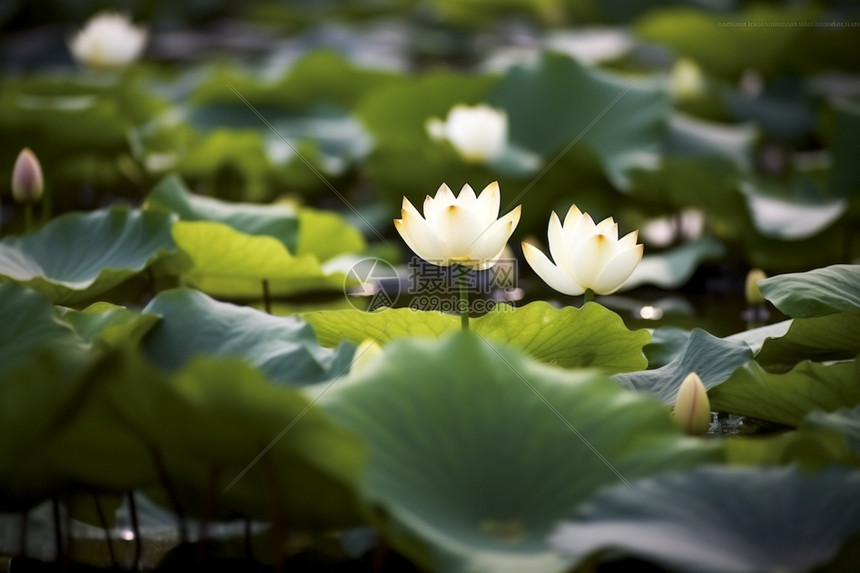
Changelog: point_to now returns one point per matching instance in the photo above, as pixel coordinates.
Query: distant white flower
(686, 79)
(464, 230)
(478, 133)
(692, 407)
(587, 256)
(108, 40)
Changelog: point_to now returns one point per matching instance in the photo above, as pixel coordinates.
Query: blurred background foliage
(739, 118)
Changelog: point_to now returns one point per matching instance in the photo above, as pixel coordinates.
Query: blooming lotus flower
(477, 133)
(462, 230)
(27, 180)
(692, 407)
(108, 40)
(587, 256)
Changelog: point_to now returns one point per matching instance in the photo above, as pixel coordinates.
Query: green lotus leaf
(280, 222)
(226, 263)
(820, 338)
(796, 213)
(340, 140)
(787, 398)
(815, 293)
(231, 163)
(673, 268)
(321, 75)
(667, 342)
(809, 448)
(326, 234)
(283, 348)
(108, 323)
(29, 326)
(845, 421)
(726, 50)
(721, 520)
(216, 427)
(713, 359)
(693, 137)
(570, 337)
(757, 337)
(476, 452)
(544, 119)
(264, 451)
(80, 255)
(782, 111)
(59, 429)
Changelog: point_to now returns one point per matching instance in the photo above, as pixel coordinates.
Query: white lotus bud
(692, 407)
(751, 290)
(27, 181)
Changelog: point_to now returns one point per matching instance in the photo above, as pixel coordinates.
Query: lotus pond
(488, 286)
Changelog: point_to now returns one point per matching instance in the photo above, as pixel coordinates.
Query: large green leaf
(725, 48)
(722, 520)
(832, 337)
(283, 348)
(545, 117)
(845, 421)
(325, 234)
(30, 325)
(264, 451)
(119, 424)
(476, 451)
(787, 398)
(567, 337)
(58, 429)
(227, 263)
(713, 359)
(321, 75)
(108, 323)
(692, 137)
(673, 268)
(791, 212)
(277, 221)
(77, 256)
(815, 293)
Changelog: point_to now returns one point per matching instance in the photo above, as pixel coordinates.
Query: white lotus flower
(462, 230)
(692, 407)
(108, 40)
(587, 256)
(477, 133)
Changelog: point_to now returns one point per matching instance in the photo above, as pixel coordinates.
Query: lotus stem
(588, 296)
(28, 217)
(106, 529)
(464, 297)
(267, 297)
(135, 528)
